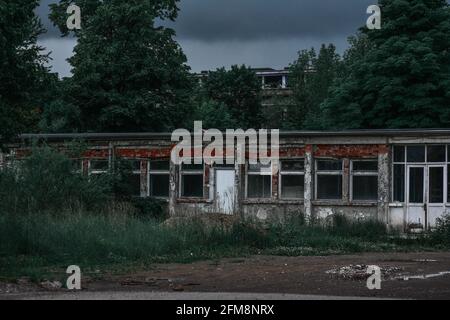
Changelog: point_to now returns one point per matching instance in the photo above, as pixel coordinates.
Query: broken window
(273, 82)
(365, 180)
(259, 181)
(292, 179)
(159, 173)
(192, 181)
(329, 179)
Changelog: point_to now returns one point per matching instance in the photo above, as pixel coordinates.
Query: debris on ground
(51, 285)
(359, 272)
(424, 276)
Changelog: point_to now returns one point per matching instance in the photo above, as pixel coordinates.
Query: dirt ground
(324, 276)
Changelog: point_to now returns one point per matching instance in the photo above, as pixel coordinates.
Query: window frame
(98, 172)
(362, 173)
(250, 172)
(191, 173)
(151, 173)
(291, 173)
(318, 173)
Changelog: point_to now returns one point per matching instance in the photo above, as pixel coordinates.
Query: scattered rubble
(51, 285)
(359, 272)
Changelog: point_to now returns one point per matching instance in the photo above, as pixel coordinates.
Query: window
(98, 166)
(192, 181)
(259, 181)
(292, 179)
(416, 154)
(159, 176)
(399, 174)
(436, 153)
(329, 179)
(364, 180)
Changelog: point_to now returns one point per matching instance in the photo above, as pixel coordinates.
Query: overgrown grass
(30, 244)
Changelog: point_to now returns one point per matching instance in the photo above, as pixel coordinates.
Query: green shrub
(49, 181)
(150, 208)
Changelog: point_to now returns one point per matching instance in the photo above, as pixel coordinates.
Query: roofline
(283, 134)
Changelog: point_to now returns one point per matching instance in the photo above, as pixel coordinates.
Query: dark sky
(260, 33)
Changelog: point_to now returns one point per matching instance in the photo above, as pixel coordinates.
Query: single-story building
(400, 177)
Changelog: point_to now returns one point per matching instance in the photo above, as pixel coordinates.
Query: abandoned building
(400, 177)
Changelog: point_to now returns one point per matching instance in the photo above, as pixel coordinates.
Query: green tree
(22, 72)
(128, 73)
(398, 76)
(239, 89)
(311, 77)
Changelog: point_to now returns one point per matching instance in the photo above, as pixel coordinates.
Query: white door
(225, 191)
(416, 202)
(436, 194)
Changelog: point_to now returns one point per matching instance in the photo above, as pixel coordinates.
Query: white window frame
(191, 173)
(366, 173)
(258, 173)
(290, 173)
(328, 173)
(156, 173)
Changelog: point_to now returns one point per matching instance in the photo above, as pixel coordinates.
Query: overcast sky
(260, 33)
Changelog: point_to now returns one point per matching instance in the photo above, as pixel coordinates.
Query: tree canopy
(398, 76)
(23, 75)
(129, 74)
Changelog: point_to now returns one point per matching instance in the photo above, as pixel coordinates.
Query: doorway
(225, 191)
(426, 190)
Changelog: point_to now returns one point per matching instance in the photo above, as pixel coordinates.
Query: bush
(150, 208)
(441, 235)
(48, 181)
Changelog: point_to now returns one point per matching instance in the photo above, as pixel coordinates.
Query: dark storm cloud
(216, 20)
(211, 20)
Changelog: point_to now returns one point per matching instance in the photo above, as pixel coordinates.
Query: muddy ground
(325, 276)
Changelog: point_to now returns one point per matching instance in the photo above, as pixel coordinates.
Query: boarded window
(259, 181)
(159, 173)
(192, 181)
(292, 179)
(329, 179)
(365, 180)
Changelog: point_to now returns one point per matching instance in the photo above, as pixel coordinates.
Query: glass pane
(289, 165)
(416, 154)
(365, 166)
(99, 165)
(436, 154)
(129, 165)
(192, 186)
(159, 185)
(329, 165)
(436, 185)
(399, 182)
(365, 188)
(329, 187)
(448, 183)
(259, 186)
(292, 187)
(260, 168)
(399, 154)
(163, 165)
(192, 167)
(416, 185)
